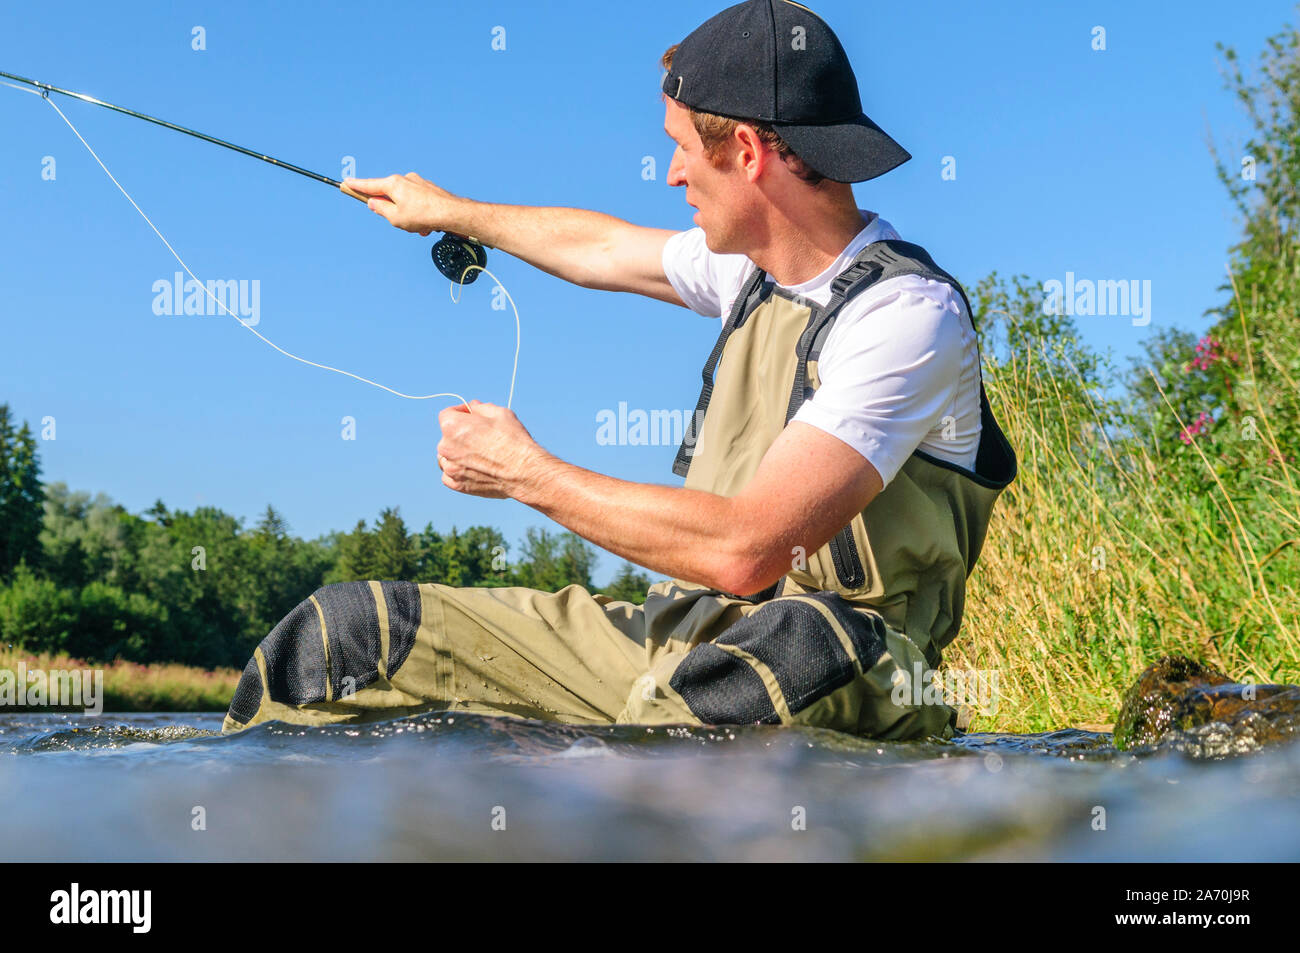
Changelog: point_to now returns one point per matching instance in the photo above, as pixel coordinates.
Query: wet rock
(1181, 704)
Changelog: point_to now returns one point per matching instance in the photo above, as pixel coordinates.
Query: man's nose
(677, 169)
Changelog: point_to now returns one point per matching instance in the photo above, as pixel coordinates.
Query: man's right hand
(409, 202)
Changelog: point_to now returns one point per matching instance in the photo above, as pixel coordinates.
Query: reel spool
(452, 254)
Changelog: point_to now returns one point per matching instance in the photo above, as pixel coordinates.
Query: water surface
(440, 786)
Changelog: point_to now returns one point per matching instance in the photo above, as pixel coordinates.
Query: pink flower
(1199, 425)
(1207, 353)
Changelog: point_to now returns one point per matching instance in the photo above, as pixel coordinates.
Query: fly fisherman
(840, 471)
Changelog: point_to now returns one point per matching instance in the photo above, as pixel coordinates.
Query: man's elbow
(750, 571)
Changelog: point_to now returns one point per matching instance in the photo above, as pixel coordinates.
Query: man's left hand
(485, 450)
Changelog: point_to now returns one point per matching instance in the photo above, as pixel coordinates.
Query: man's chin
(716, 243)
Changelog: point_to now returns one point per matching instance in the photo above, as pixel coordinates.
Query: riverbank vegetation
(1157, 510)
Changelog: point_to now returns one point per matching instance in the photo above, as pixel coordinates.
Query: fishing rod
(459, 258)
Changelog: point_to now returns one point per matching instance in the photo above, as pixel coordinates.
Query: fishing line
(464, 279)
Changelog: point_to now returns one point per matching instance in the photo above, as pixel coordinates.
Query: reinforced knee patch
(808, 646)
(330, 646)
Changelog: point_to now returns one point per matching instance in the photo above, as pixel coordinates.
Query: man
(840, 471)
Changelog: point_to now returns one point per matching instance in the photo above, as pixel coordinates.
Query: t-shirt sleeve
(706, 282)
(891, 375)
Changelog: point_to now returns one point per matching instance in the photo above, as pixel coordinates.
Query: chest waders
(837, 643)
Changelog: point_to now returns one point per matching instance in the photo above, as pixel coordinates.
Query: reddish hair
(715, 131)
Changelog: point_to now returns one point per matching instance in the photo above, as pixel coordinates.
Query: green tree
(276, 572)
(630, 584)
(158, 513)
(85, 539)
(198, 567)
(38, 614)
(114, 624)
(21, 495)
(551, 561)
(358, 556)
(476, 557)
(395, 552)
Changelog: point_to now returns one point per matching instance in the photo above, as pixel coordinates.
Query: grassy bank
(1116, 545)
(132, 687)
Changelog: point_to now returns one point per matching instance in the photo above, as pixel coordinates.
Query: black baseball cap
(777, 62)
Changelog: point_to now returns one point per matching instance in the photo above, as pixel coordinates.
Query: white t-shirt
(899, 368)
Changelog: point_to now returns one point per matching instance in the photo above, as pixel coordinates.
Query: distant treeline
(83, 576)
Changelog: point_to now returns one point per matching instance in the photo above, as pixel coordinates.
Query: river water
(464, 787)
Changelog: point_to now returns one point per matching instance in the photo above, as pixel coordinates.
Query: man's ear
(751, 151)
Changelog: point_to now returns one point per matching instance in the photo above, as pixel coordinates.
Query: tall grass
(1116, 545)
(131, 687)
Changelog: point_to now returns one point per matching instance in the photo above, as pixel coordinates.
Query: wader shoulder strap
(995, 460)
(749, 298)
(879, 261)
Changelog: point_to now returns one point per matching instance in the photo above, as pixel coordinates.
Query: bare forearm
(586, 248)
(570, 243)
(686, 534)
(739, 544)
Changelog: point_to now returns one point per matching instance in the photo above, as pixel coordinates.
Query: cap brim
(852, 151)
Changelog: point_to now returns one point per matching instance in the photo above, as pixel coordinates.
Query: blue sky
(1068, 159)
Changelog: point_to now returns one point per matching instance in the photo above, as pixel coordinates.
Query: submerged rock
(1190, 707)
